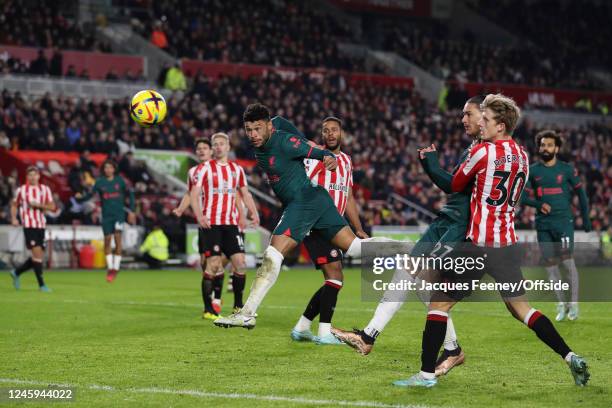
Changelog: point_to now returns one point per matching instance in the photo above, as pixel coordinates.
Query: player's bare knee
(333, 271)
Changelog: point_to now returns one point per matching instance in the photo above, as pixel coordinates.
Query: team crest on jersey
(334, 253)
(559, 178)
(116, 186)
(216, 248)
(271, 161)
(32, 243)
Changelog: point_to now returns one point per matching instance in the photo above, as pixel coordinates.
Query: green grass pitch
(141, 342)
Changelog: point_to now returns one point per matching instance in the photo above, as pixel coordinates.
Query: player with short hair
(280, 150)
(219, 182)
(112, 190)
(440, 239)
(31, 201)
(324, 255)
(499, 168)
(551, 186)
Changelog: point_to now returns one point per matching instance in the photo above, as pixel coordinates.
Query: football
(148, 108)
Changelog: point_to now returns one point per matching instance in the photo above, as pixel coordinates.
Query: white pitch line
(220, 395)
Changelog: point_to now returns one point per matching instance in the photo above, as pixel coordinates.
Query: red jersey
(500, 170)
(220, 183)
(338, 183)
(33, 217)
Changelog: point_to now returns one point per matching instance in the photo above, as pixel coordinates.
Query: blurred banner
(170, 162)
(96, 63)
(539, 97)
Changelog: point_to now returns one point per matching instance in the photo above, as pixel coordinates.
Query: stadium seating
(384, 126)
(465, 59)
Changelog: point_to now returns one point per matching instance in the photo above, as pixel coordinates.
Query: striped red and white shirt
(500, 170)
(26, 194)
(339, 183)
(192, 174)
(220, 184)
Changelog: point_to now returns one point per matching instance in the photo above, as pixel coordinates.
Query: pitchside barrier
(64, 243)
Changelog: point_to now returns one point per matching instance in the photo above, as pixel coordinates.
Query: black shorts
(34, 237)
(321, 251)
(220, 239)
(502, 264)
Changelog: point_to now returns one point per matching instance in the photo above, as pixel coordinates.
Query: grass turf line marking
(220, 395)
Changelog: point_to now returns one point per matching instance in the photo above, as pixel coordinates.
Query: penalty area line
(220, 395)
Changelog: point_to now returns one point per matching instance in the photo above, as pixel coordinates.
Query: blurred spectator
(154, 249)
(55, 65)
(40, 65)
(175, 79)
(158, 36)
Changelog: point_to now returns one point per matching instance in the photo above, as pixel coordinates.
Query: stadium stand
(554, 26)
(432, 47)
(45, 24)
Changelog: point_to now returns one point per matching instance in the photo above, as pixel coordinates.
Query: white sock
(389, 304)
(324, 329)
(216, 302)
(570, 265)
(117, 264)
(428, 376)
(450, 340)
(264, 279)
(555, 275)
(354, 250)
(109, 261)
(382, 316)
(303, 324)
(568, 358)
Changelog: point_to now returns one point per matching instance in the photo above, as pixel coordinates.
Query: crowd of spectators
(285, 32)
(570, 30)
(44, 24)
(384, 126)
(465, 59)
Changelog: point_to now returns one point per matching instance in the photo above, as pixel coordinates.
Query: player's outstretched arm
(431, 164)
(297, 147)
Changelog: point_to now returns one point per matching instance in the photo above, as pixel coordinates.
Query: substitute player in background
(551, 186)
(219, 181)
(32, 200)
(498, 169)
(280, 151)
(325, 256)
(112, 191)
(440, 239)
